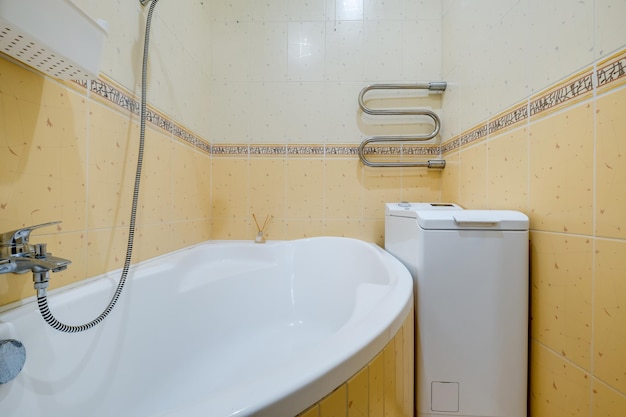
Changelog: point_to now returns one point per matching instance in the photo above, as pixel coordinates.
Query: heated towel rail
(434, 87)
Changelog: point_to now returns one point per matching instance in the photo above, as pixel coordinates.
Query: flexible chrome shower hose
(42, 300)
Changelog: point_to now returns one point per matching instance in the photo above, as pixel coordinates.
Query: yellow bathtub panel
(408, 366)
(389, 378)
(311, 412)
(335, 404)
(358, 399)
(377, 386)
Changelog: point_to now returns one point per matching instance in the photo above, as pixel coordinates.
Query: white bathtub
(218, 329)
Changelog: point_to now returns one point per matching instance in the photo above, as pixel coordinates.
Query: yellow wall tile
(229, 188)
(380, 186)
(450, 180)
(344, 196)
(267, 187)
(152, 240)
(42, 161)
(106, 250)
(606, 401)
(561, 310)
(561, 171)
(344, 228)
(507, 185)
(305, 188)
(232, 228)
(112, 165)
(610, 314)
(296, 229)
(473, 177)
(611, 165)
(556, 387)
(156, 200)
(374, 231)
(186, 184)
(420, 184)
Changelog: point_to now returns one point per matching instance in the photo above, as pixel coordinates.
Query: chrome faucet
(18, 256)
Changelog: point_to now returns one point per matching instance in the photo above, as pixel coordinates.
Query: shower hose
(42, 299)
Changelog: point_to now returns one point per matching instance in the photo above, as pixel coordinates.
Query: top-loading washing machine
(470, 269)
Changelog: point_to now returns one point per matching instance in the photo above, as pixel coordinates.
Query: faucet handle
(17, 239)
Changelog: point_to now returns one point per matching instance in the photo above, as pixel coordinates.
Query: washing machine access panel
(470, 269)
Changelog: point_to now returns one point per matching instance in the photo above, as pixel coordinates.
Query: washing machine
(470, 270)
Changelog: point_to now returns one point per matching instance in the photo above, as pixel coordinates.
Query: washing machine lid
(406, 209)
(472, 220)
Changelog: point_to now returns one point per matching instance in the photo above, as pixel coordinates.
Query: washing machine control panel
(407, 209)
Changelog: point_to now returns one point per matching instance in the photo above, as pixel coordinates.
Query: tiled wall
(310, 195)
(294, 68)
(68, 153)
(559, 157)
(384, 387)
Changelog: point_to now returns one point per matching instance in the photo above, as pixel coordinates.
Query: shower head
(144, 2)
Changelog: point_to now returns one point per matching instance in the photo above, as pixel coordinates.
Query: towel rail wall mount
(432, 87)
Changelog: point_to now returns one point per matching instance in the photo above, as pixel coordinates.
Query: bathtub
(217, 329)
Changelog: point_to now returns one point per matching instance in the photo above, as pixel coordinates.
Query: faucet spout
(18, 256)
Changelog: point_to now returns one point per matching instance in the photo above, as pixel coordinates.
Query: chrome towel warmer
(434, 87)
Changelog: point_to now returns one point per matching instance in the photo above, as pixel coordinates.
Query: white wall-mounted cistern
(470, 270)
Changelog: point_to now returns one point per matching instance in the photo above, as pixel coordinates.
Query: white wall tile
(383, 9)
(344, 50)
(610, 29)
(306, 51)
(383, 52)
(306, 10)
(560, 35)
(349, 10)
(268, 51)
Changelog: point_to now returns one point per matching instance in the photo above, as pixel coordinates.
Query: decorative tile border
(563, 93)
(612, 70)
(268, 150)
(508, 119)
(610, 73)
(106, 90)
(305, 150)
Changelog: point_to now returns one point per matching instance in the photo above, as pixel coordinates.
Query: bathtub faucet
(18, 256)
